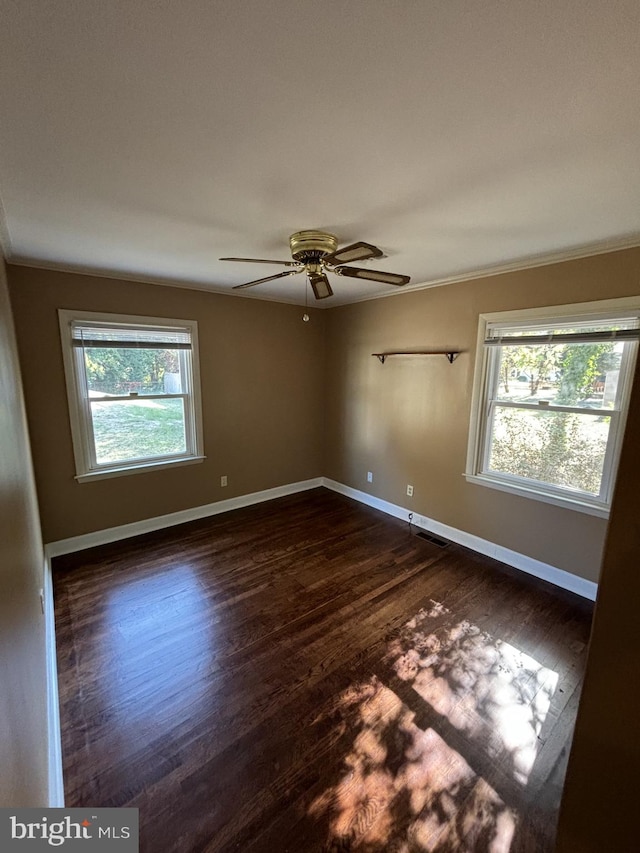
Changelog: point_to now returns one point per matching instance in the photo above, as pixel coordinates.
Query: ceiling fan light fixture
(320, 285)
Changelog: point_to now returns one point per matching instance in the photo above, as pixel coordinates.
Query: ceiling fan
(317, 253)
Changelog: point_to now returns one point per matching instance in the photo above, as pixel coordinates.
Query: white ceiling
(149, 138)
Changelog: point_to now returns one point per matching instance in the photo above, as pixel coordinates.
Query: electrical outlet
(410, 491)
(223, 480)
(369, 476)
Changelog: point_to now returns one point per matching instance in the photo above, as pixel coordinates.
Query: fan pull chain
(305, 316)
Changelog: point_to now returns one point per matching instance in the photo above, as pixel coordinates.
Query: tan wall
(407, 421)
(23, 694)
(262, 372)
(600, 804)
(265, 410)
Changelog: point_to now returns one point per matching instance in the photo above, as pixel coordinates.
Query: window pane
(560, 448)
(125, 430)
(584, 375)
(121, 371)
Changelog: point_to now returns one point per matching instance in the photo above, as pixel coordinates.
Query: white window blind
(130, 337)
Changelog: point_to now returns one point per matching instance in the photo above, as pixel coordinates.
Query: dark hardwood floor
(307, 675)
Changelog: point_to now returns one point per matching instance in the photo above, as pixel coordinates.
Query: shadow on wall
(445, 740)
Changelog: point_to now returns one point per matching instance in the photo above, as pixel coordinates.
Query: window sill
(556, 500)
(138, 468)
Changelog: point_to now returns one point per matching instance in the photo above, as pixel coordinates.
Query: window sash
(134, 396)
(551, 407)
(86, 401)
(543, 485)
(137, 460)
(492, 355)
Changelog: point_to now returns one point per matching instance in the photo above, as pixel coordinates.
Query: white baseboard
(54, 739)
(566, 580)
(559, 577)
(148, 525)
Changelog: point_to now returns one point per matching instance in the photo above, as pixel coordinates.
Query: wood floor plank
(307, 675)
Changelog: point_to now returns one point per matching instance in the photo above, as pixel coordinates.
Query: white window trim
(80, 421)
(477, 446)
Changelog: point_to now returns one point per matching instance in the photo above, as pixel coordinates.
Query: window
(550, 401)
(133, 390)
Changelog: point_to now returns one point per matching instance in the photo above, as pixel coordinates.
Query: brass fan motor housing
(310, 245)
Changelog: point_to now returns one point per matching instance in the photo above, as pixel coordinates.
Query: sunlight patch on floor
(485, 687)
(403, 787)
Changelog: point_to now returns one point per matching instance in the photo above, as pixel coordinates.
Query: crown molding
(602, 247)
(140, 278)
(587, 250)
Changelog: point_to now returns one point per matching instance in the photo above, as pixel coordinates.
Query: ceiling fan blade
(262, 261)
(374, 275)
(353, 252)
(267, 278)
(320, 285)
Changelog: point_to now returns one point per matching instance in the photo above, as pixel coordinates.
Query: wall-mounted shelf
(450, 354)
